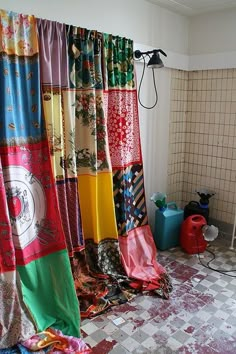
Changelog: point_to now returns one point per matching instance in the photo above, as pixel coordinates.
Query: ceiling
(195, 7)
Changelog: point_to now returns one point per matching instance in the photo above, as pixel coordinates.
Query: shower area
(202, 149)
(195, 145)
(192, 133)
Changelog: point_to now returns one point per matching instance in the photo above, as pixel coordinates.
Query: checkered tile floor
(199, 317)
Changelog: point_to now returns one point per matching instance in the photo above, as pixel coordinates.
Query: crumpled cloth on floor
(98, 292)
(50, 341)
(58, 342)
(19, 349)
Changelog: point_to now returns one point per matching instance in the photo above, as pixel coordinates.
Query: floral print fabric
(15, 323)
(123, 128)
(18, 34)
(118, 53)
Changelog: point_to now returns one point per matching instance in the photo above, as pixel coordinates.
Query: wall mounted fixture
(153, 63)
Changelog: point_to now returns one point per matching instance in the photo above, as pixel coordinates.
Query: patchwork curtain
(91, 113)
(32, 239)
(76, 121)
(56, 97)
(74, 222)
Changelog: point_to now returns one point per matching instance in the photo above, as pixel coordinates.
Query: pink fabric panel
(138, 255)
(36, 228)
(123, 128)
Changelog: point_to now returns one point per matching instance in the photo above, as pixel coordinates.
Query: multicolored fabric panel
(34, 221)
(54, 341)
(60, 127)
(71, 176)
(123, 128)
(118, 62)
(31, 198)
(20, 79)
(135, 238)
(129, 198)
(7, 250)
(86, 107)
(124, 136)
(14, 323)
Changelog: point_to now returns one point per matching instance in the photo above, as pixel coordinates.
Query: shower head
(155, 60)
(153, 63)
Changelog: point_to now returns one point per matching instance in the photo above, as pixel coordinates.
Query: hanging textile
(71, 178)
(32, 239)
(76, 116)
(89, 110)
(138, 251)
(60, 130)
(15, 324)
(91, 113)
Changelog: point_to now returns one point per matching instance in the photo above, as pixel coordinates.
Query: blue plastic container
(167, 226)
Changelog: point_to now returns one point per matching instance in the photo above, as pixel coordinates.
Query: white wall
(213, 32)
(201, 42)
(139, 20)
(154, 129)
(212, 43)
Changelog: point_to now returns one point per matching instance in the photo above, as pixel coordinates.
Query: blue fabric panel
(20, 102)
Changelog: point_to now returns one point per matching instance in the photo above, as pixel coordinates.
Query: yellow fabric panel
(97, 207)
(52, 108)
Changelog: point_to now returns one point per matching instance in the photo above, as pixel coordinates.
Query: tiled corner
(202, 139)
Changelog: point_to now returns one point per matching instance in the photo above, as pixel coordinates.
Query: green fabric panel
(49, 293)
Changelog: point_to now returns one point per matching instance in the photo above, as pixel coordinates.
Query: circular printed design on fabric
(26, 204)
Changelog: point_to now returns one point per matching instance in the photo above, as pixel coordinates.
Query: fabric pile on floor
(50, 341)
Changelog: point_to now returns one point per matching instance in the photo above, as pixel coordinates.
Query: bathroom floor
(199, 317)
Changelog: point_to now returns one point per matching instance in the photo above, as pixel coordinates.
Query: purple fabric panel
(67, 191)
(53, 53)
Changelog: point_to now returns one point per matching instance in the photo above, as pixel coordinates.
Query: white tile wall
(203, 139)
(179, 91)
